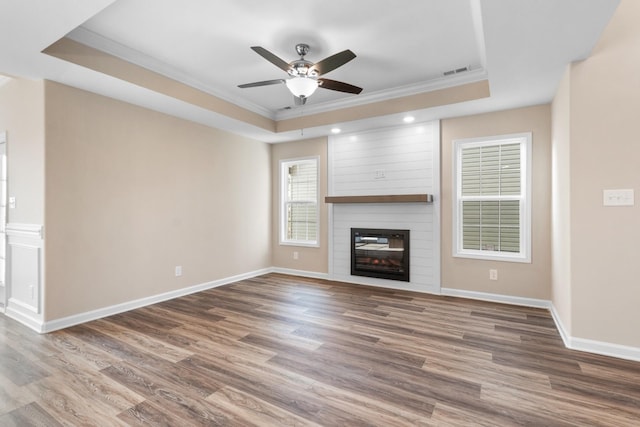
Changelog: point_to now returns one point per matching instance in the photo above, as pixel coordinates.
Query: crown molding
(104, 44)
(472, 76)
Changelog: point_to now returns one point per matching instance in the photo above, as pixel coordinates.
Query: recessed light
(335, 130)
(408, 119)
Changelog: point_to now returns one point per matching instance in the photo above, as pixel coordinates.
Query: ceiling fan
(305, 76)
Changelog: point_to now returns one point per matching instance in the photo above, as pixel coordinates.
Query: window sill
(494, 257)
(300, 244)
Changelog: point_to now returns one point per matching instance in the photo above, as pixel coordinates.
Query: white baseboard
(566, 338)
(301, 273)
(29, 321)
(605, 349)
(592, 346)
(88, 316)
(572, 343)
(505, 299)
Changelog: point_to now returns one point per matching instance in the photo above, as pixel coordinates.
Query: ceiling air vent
(456, 71)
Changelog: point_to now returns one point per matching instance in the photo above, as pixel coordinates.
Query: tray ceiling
(403, 48)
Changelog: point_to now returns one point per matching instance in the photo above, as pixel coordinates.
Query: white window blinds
(492, 203)
(299, 201)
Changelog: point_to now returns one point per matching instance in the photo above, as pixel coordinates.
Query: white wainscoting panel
(393, 161)
(24, 274)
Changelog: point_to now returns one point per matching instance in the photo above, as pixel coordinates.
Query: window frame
(284, 164)
(524, 255)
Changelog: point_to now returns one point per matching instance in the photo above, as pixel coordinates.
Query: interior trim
(97, 60)
(504, 299)
(391, 198)
(32, 322)
(76, 319)
(572, 343)
(301, 273)
(593, 346)
(418, 101)
(579, 344)
(15, 229)
(78, 53)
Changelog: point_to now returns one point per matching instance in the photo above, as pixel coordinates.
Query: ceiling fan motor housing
(302, 49)
(302, 68)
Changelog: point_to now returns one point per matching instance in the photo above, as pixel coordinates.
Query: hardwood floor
(281, 351)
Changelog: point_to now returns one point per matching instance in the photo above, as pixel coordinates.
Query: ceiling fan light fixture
(302, 86)
(305, 76)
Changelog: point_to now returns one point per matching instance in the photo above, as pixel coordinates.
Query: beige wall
(72, 51)
(132, 193)
(605, 154)
(22, 117)
(514, 279)
(103, 62)
(309, 259)
(561, 202)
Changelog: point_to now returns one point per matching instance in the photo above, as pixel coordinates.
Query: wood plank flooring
(287, 351)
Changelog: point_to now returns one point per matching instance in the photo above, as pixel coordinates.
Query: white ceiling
(402, 47)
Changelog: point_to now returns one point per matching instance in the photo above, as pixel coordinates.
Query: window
(492, 203)
(299, 202)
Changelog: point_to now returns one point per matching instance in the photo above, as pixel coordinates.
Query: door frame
(3, 224)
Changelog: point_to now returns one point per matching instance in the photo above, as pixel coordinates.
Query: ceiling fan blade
(339, 86)
(280, 63)
(332, 62)
(299, 100)
(263, 83)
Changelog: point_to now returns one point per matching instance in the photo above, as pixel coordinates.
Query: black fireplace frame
(401, 275)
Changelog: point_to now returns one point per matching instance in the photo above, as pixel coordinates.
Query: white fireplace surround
(393, 161)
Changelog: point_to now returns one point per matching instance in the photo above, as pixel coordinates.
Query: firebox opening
(380, 253)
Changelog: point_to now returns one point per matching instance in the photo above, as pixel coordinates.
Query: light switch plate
(624, 197)
(12, 202)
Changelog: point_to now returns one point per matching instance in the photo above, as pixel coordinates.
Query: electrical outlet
(493, 274)
(295, 255)
(178, 270)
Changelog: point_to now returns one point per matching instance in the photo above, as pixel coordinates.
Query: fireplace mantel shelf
(390, 198)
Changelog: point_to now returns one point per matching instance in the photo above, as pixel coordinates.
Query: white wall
(403, 160)
(22, 118)
(561, 203)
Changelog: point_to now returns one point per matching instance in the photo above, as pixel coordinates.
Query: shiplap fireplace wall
(393, 161)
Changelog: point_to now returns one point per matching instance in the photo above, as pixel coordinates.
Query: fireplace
(380, 253)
